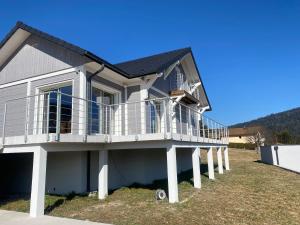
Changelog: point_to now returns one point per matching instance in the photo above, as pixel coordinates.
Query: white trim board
(40, 77)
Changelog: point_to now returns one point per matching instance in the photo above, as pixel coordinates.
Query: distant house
(243, 134)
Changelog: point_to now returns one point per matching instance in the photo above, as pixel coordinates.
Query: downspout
(89, 95)
(91, 77)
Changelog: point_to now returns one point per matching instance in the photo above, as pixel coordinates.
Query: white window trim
(40, 77)
(38, 110)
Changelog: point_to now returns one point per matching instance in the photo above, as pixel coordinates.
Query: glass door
(101, 113)
(57, 110)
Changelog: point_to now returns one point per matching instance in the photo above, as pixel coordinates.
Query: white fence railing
(58, 113)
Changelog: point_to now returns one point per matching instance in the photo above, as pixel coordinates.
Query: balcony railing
(57, 114)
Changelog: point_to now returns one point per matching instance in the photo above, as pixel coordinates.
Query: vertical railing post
(227, 135)
(135, 122)
(4, 124)
(106, 122)
(198, 125)
(26, 119)
(165, 118)
(211, 131)
(58, 115)
(189, 124)
(111, 126)
(36, 119)
(90, 115)
(171, 111)
(216, 131)
(180, 121)
(203, 126)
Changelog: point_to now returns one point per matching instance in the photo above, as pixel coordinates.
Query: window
(57, 110)
(102, 113)
(155, 117)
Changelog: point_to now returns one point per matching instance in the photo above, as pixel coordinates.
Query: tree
(257, 139)
(284, 137)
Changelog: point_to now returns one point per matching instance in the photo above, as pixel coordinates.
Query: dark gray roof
(152, 64)
(130, 69)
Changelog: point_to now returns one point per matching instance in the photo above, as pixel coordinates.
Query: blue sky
(248, 52)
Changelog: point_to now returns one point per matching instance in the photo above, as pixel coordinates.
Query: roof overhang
(11, 43)
(114, 76)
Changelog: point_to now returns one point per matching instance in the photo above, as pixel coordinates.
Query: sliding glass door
(101, 113)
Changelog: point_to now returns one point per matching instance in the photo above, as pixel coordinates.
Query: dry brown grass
(251, 193)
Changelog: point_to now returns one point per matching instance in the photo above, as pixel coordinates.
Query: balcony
(56, 117)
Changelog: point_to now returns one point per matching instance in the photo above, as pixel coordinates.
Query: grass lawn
(251, 193)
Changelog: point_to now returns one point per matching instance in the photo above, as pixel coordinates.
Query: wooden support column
(103, 174)
(226, 158)
(37, 199)
(172, 174)
(210, 163)
(220, 161)
(196, 167)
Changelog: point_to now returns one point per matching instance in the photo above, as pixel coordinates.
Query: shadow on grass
(258, 161)
(6, 199)
(57, 203)
(185, 176)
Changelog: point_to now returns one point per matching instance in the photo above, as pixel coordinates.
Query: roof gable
(152, 64)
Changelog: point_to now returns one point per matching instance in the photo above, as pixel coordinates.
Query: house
(244, 134)
(73, 122)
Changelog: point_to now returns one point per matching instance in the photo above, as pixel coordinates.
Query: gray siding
(15, 116)
(38, 56)
(134, 109)
(74, 78)
(110, 84)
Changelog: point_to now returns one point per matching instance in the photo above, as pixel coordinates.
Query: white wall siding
(138, 166)
(38, 56)
(66, 172)
(286, 156)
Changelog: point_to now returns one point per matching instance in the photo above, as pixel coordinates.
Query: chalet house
(72, 122)
(244, 135)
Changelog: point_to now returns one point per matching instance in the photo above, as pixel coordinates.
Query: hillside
(278, 123)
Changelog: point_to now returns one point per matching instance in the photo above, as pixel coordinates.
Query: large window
(57, 110)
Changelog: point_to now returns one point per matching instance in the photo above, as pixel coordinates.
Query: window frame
(39, 99)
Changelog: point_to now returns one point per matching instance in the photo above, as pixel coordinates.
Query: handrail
(108, 119)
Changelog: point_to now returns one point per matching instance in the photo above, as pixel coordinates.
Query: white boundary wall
(285, 156)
